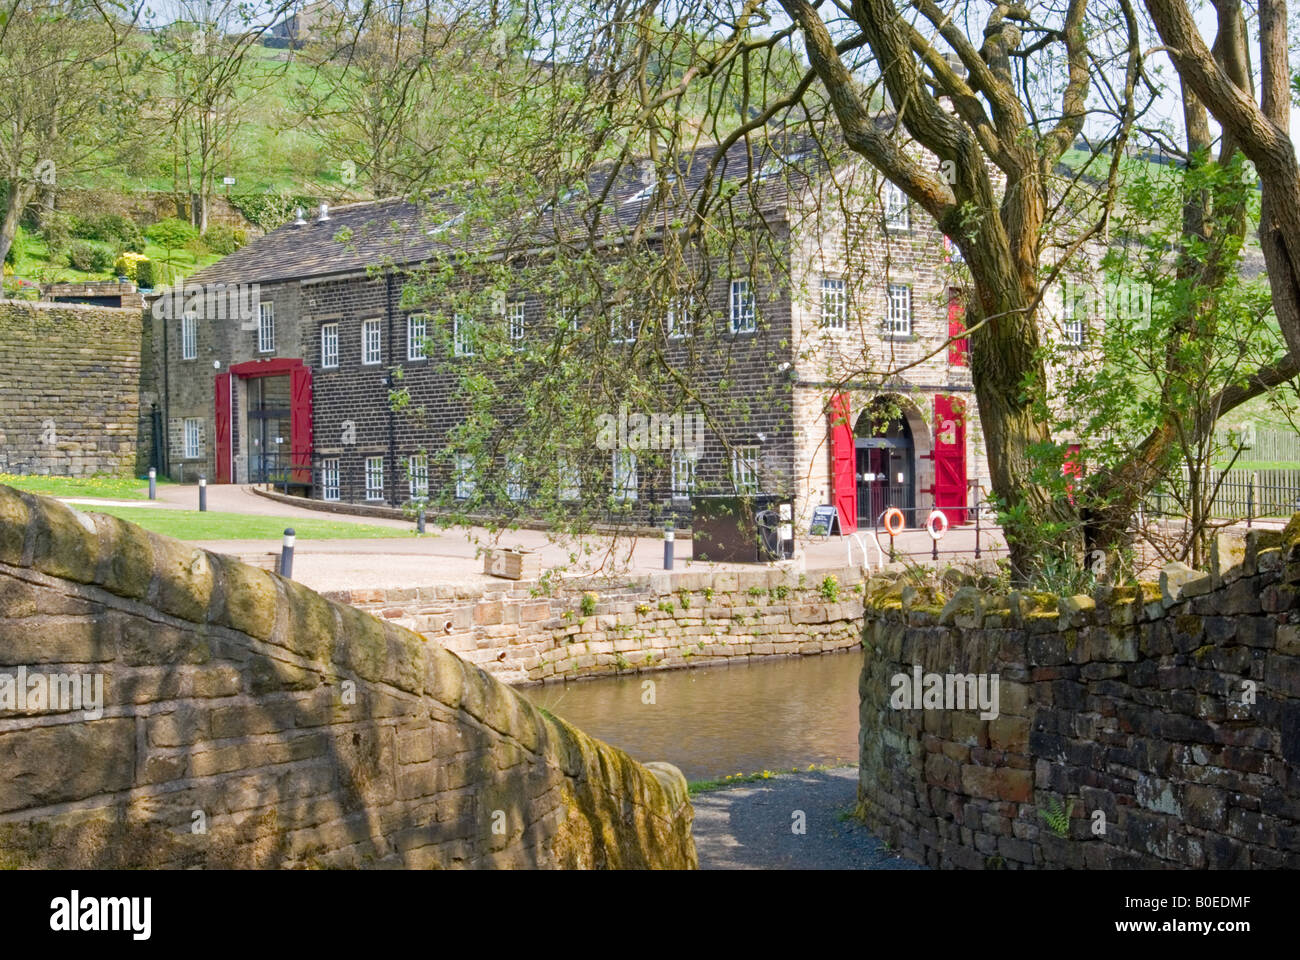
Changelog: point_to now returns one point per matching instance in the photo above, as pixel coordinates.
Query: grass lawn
(193, 525)
(100, 485)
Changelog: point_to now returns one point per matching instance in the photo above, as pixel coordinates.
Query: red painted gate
(300, 432)
(959, 346)
(950, 457)
(844, 455)
(223, 452)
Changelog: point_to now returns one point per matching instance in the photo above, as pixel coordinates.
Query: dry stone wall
(1147, 727)
(522, 634)
(246, 721)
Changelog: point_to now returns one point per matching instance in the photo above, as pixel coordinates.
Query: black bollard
(153, 484)
(286, 554)
(203, 493)
(419, 521)
(668, 548)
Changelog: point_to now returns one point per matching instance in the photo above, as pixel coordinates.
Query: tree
(171, 234)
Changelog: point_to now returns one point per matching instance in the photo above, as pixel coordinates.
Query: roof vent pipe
(324, 213)
(300, 221)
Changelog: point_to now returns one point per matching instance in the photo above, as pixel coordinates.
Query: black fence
(1238, 495)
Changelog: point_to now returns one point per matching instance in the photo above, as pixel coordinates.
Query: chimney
(299, 222)
(324, 213)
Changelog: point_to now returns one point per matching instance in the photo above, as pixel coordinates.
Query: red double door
(300, 413)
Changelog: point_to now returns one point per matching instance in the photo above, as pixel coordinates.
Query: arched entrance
(886, 461)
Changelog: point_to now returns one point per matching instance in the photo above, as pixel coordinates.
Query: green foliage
(89, 257)
(146, 274)
(1057, 817)
(684, 598)
(829, 588)
(588, 604)
(56, 230)
(781, 591)
(17, 248)
(223, 239)
(756, 591)
(172, 234)
(270, 210)
(666, 606)
(112, 228)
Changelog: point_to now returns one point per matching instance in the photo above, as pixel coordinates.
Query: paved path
(750, 826)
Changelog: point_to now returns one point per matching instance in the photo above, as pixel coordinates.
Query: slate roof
(400, 231)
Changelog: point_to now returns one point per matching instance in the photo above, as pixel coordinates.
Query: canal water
(723, 719)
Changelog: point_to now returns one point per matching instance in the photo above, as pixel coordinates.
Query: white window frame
(681, 319)
(516, 487)
(462, 335)
(329, 479)
(744, 314)
(329, 346)
(624, 485)
(417, 476)
(897, 212)
(744, 469)
(569, 485)
(189, 337)
(369, 358)
(1074, 320)
(417, 329)
(374, 470)
(835, 304)
(898, 313)
(266, 327)
(515, 322)
(465, 483)
(683, 466)
(622, 325)
(193, 438)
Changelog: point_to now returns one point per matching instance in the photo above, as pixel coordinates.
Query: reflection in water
(723, 719)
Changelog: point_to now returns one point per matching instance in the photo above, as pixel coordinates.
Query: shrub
(830, 588)
(56, 230)
(112, 228)
(224, 240)
(588, 604)
(90, 257)
(128, 265)
(172, 234)
(17, 248)
(146, 275)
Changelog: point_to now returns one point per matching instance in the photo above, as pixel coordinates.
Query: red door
(222, 394)
(957, 348)
(950, 457)
(1072, 469)
(843, 464)
(300, 432)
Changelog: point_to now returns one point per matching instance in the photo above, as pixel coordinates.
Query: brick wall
(75, 397)
(248, 722)
(1162, 722)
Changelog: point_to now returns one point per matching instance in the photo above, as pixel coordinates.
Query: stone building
(842, 329)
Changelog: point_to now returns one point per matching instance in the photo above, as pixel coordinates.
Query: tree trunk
(20, 194)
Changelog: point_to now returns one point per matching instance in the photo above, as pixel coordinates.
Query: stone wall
(248, 722)
(521, 634)
(1162, 721)
(75, 398)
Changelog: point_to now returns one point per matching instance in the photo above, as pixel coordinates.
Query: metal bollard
(419, 522)
(203, 493)
(668, 548)
(153, 484)
(286, 554)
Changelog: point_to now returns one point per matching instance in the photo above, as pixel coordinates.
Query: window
(896, 212)
(329, 478)
(622, 325)
(189, 337)
(193, 438)
(681, 320)
(516, 488)
(952, 252)
(515, 323)
(374, 478)
(570, 481)
(743, 317)
(1076, 318)
(416, 330)
(462, 336)
(625, 482)
(417, 475)
(464, 476)
(899, 321)
(371, 350)
(683, 473)
(835, 304)
(744, 469)
(329, 345)
(266, 327)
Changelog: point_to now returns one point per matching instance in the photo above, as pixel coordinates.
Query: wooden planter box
(512, 564)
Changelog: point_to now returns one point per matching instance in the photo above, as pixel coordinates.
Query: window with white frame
(744, 469)
(622, 324)
(417, 328)
(625, 480)
(896, 212)
(744, 318)
(898, 322)
(189, 337)
(681, 320)
(266, 327)
(683, 473)
(569, 486)
(329, 345)
(835, 304)
(417, 476)
(465, 485)
(1076, 316)
(516, 488)
(374, 478)
(515, 323)
(462, 336)
(371, 344)
(193, 438)
(329, 478)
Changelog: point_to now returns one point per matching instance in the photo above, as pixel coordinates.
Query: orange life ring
(893, 521)
(937, 518)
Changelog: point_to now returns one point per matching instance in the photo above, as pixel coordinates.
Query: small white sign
(228, 181)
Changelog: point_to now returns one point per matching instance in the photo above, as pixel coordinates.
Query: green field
(100, 485)
(193, 525)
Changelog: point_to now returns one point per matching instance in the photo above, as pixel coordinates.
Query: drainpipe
(392, 453)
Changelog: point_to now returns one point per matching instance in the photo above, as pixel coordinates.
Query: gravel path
(750, 826)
